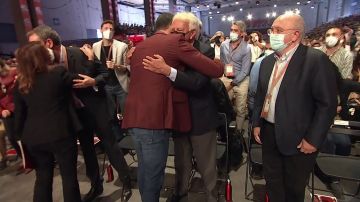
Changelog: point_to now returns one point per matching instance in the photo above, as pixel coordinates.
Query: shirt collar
(287, 55)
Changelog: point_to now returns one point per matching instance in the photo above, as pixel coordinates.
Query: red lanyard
(276, 78)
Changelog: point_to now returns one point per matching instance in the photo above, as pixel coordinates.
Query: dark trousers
(96, 120)
(286, 176)
(203, 148)
(9, 124)
(64, 151)
(116, 99)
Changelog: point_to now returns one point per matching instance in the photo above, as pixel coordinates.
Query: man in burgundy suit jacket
(154, 108)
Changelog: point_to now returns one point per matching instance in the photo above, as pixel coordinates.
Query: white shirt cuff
(173, 73)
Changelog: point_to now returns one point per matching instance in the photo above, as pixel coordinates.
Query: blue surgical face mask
(277, 42)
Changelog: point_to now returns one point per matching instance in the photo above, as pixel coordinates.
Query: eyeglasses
(275, 30)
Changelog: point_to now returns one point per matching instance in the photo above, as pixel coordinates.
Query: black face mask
(217, 41)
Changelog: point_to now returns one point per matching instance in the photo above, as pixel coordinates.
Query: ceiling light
(210, 17)
(298, 3)
(312, 7)
(275, 5)
(237, 2)
(273, 14)
(208, 6)
(241, 9)
(217, 11)
(308, 2)
(230, 18)
(197, 7)
(210, 13)
(249, 16)
(267, 15)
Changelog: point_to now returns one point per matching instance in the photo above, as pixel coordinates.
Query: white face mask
(234, 36)
(331, 41)
(108, 34)
(52, 56)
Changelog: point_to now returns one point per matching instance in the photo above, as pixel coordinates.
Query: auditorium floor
(19, 188)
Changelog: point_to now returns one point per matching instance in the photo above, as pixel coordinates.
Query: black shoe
(94, 192)
(126, 190)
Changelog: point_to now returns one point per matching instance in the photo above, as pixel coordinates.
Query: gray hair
(241, 25)
(45, 32)
(188, 17)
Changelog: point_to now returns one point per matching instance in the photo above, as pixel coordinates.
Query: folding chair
(254, 156)
(341, 167)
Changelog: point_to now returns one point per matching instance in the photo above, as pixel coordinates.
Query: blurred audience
(216, 41)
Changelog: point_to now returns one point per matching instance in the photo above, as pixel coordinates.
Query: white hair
(188, 17)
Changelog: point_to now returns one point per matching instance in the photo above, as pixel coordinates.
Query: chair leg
(312, 186)
(103, 166)
(358, 191)
(247, 176)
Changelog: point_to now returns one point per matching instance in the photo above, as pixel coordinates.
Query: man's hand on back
(157, 64)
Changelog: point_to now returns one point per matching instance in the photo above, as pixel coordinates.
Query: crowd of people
(131, 29)
(287, 88)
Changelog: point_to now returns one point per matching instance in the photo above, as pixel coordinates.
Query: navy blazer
(306, 102)
(203, 110)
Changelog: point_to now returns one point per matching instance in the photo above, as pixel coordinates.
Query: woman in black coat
(42, 119)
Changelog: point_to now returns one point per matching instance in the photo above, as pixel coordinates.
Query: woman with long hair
(42, 119)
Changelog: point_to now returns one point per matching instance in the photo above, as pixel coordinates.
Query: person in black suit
(295, 105)
(200, 141)
(42, 120)
(92, 108)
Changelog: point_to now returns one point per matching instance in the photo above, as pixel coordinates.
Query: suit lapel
(97, 49)
(114, 52)
(294, 68)
(267, 69)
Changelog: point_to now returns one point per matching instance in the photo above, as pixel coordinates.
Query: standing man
(235, 54)
(295, 105)
(92, 108)
(112, 54)
(154, 108)
(200, 142)
(333, 48)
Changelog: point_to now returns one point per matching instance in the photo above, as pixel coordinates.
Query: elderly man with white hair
(200, 141)
(295, 105)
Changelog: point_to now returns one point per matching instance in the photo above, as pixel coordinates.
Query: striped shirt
(343, 59)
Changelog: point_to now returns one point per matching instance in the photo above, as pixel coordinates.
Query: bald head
(291, 22)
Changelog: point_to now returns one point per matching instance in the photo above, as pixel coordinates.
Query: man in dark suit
(154, 108)
(91, 108)
(200, 141)
(295, 105)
